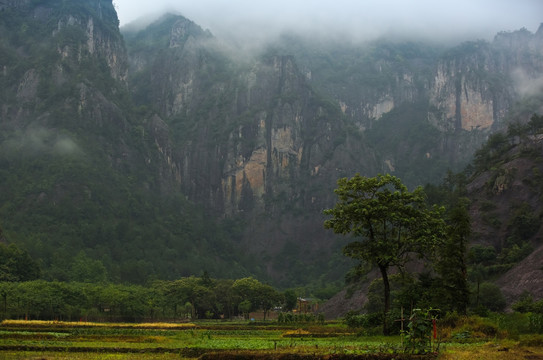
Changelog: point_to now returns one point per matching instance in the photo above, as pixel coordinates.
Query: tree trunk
(477, 299)
(386, 284)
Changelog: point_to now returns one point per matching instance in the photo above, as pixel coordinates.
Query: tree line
(392, 226)
(178, 300)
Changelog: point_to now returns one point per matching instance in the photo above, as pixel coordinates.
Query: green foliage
(300, 318)
(526, 304)
(291, 300)
(480, 254)
(535, 125)
(451, 265)
(245, 307)
(85, 269)
(390, 221)
(255, 295)
(523, 223)
(475, 328)
(490, 297)
(420, 330)
(16, 264)
(532, 341)
(499, 143)
(97, 214)
(536, 321)
(363, 322)
(494, 148)
(407, 142)
(185, 298)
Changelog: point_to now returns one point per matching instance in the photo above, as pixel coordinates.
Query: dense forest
(456, 278)
(132, 161)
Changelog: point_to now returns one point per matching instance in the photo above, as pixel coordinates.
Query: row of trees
(186, 298)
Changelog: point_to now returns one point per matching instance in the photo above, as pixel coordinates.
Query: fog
(37, 140)
(525, 84)
(257, 21)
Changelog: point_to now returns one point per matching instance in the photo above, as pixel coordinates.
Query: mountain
(162, 152)
(506, 210)
(80, 179)
(505, 188)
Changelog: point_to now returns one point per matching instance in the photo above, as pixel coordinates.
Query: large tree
(389, 222)
(451, 265)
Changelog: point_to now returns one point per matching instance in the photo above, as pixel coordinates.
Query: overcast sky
(455, 19)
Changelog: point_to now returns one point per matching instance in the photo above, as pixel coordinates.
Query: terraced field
(209, 341)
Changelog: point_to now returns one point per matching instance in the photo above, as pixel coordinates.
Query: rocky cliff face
(73, 42)
(247, 132)
(505, 212)
(253, 137)
(66, 137)
(164, 117)
(472, 89)
(466, 90)
(469, 87)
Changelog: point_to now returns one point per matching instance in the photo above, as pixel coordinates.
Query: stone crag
(170, 111)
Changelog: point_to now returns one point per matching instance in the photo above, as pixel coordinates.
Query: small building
(306, 305)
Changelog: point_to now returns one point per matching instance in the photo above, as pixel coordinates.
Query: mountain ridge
(195, 161)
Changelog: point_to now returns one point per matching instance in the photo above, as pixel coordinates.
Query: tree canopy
(390, 222)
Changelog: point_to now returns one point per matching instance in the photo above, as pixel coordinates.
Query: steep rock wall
(243, 136)
(476, 84)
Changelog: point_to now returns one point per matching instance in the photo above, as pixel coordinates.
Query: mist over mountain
(162, 151)
(251, 24)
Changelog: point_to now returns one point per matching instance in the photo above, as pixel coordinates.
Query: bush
(525, 303)
(536, 323)
(355, 320)
(451, 319)
(491, 297)
(470, 329)
(291, 318)
(419, 332)
(514, 324)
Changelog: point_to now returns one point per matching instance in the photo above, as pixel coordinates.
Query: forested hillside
(158, 152)
(506, 192)
(79, 188)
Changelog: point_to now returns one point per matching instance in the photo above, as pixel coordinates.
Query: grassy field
(224, 340)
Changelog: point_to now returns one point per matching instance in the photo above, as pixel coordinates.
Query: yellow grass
(296, 333)
(84, 356)
(39, 323)
(491, 352)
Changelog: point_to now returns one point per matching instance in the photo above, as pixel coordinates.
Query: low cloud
(527, 85)
(37, 140)
(250, 22)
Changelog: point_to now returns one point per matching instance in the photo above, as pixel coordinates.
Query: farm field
(87, 341)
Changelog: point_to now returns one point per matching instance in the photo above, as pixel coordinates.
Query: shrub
(289, 318)
(451, 319)
(355, 320)
(418, 337)
(536, 323)
(480, 327)
(491, 297)
(524, 304)
(514, 324)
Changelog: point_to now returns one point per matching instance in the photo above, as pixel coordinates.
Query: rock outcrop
(168, 112)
